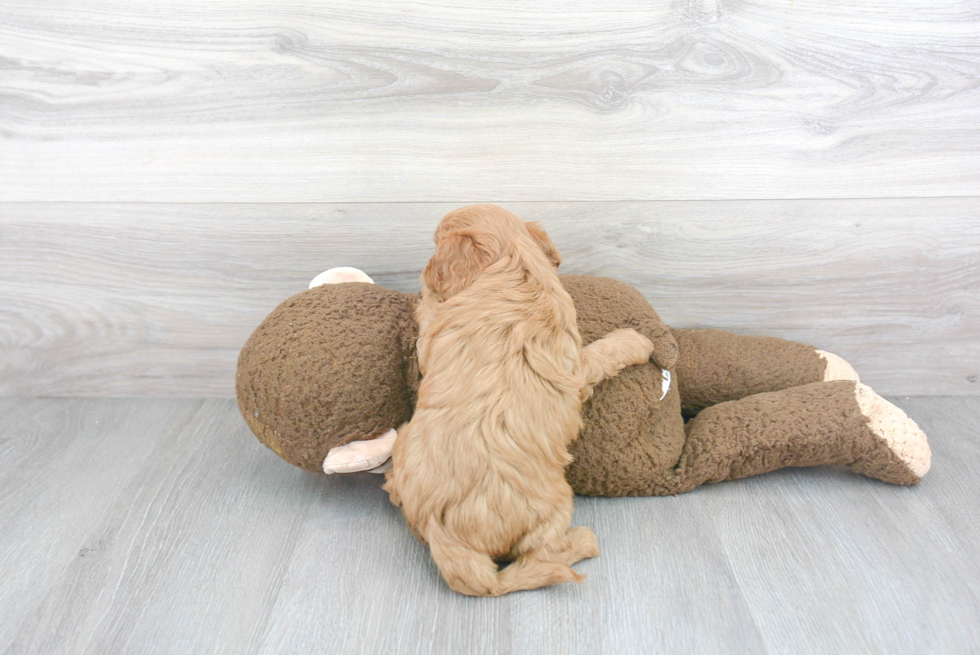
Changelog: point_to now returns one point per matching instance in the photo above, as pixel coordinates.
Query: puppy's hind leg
(545, 556)
(465, 570)
(605, 357)
(473, 573)
(529, 572)
(584, 544)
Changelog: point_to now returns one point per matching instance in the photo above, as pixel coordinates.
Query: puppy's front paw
(634, 347)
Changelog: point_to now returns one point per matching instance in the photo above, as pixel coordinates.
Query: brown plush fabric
(330, 365)
(631, 441)
(814, 424)
(603, 305)
(337, 363)
(629, 432)
(716, 366)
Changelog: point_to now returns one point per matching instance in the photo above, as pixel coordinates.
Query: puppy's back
(479, 470)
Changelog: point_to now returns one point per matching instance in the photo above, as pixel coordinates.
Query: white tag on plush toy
(665, 384)
(341, 274)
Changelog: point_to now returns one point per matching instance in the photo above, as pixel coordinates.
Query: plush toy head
(329, 366)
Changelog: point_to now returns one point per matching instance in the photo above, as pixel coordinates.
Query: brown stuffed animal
(332, 371)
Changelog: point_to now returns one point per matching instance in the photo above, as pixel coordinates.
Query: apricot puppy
(479, 471)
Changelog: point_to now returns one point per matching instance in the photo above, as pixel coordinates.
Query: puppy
(479, 471)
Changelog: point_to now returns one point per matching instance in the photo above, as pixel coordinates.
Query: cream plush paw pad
(837, 368)
(902, 435)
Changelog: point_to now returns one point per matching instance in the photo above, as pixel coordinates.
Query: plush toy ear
(547, 245)
(458, 261)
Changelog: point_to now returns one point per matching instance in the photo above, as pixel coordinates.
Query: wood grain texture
(173, 549)
(157, 299)
(65, 464)
(162, 526)
(256, 100)
(831, 564)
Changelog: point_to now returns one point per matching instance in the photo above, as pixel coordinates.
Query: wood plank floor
(163, 526)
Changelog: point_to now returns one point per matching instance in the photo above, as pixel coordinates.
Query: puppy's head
(470, 239)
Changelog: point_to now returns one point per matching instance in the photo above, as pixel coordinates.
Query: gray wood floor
(162, 526)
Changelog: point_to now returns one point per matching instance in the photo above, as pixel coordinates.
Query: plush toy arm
(665, 348)
(603, 304)
(715, 366)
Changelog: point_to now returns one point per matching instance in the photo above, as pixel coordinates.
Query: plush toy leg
(843, 423)
(542, 557)
(717, 366)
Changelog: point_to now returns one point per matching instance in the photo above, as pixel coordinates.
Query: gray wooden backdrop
(169, 172)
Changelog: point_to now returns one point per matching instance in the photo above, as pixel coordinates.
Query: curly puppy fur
(479, 470)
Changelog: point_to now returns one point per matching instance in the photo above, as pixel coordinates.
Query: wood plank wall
(170, 171)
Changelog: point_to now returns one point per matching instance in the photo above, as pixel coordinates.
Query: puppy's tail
(473, 573)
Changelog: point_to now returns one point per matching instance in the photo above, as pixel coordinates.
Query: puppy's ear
(458, 261)
(547, 245)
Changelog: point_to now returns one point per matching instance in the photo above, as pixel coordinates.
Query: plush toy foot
(900, 452)
(371, 455)
(837, 368)
(341, 274)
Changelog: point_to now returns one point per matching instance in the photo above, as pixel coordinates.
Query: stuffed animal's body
(333, 371)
